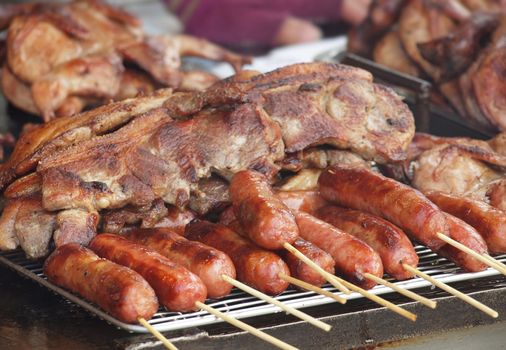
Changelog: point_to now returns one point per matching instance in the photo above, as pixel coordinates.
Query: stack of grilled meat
(131, 162)
(60, 58)
(459, 45)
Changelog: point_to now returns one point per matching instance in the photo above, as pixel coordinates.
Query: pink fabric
(251, 22)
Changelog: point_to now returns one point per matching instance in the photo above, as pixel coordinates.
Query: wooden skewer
(328, 276)
(246, 327)
(452, 291)
(397, 309)
(157, 334)
(347, 286)
(427, 302)
(495, 261)
(308, 286)
(487, 261)
(286, 308)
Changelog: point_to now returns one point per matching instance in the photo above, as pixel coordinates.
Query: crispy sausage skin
(308, 201)
(255, 266)
(263, 216)
(177, 288)
(206, 262)
(365, 190)
(301, 270)
(118, 290)
(353, 257)
(489, 221)
(392, 245)
(468, 236)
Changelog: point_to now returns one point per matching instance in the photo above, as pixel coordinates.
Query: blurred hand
(295, 30)
(354, 11)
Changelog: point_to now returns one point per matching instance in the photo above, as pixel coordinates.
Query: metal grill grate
(242, 305)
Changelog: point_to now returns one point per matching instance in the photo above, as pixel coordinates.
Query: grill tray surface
(241, 305)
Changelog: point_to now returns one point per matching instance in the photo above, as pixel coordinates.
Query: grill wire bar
(241, 305)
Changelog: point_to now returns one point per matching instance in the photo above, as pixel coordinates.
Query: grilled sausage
(177, 288)
(363, 189)
(353, 257)
(206, 262)
(392, 245)
(468, 236)
(298, 269)
(255, 266)
(118, 290)
(307, 201)
(304, 272)
(489, 221)
(263, 216)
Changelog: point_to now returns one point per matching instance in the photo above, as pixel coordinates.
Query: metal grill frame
(241, 305)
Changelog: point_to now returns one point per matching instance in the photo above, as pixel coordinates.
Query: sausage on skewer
(177, 288)
(298, 268)
(304, 272)
(263, 216)
(489, 221)
(117, 289)
(206, 262)
(353, 257)
(468, 236)
(255, 266)
(393, 246)
(365, 190)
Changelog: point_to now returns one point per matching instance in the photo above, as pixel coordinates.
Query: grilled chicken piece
(489, 79)
(382, 15)
(35, 46)
(54, 34)
(448, 41)
(390, 53)
(457, 51)
(93, 76)
(458, 166)
(20, 95)
(420, 23)
(161, 55)
(473, 111)
(68, 55)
